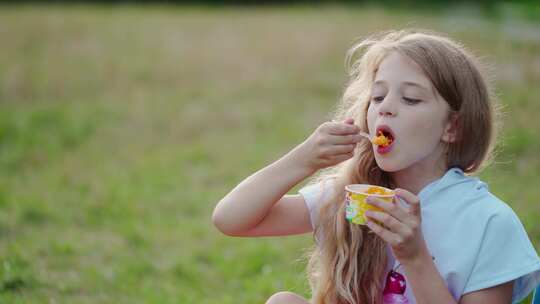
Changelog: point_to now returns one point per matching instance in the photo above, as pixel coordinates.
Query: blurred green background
(122, 126)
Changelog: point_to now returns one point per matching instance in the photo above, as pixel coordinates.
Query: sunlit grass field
(121, 127)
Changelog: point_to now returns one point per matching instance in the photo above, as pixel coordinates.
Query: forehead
(399, 69)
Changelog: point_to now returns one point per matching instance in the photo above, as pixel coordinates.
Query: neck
(419, 175)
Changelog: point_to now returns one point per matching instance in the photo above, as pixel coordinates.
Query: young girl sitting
(445, 238)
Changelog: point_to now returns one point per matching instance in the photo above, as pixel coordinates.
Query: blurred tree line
(530, 3)
(516, 9)
(528, 9)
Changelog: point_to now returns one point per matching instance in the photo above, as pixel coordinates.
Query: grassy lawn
(122, 127)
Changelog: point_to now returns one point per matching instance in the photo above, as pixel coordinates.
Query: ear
(451, 128)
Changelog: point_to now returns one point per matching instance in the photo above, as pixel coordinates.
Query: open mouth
(384, 139)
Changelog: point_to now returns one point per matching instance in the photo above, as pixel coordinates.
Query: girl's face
(404, 100)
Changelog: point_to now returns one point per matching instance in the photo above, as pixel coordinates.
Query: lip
(387, 129)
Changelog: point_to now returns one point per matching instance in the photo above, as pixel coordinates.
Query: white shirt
(476, 239)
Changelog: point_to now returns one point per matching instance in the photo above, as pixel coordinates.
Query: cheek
(426, 132)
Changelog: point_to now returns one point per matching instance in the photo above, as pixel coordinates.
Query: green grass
(122, 127)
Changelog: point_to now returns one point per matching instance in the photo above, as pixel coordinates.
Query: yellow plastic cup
(356, 204)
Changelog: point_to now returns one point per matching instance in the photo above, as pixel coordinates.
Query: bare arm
(500, 294)
(249, 202)
(258, 205)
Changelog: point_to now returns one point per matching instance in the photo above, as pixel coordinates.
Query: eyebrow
(408, 83)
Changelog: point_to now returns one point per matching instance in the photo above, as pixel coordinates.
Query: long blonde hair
(348, 263)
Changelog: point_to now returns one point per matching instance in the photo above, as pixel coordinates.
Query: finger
(337, 128)
(391, 208)
(349, 121)
(345, 139)
(411, 199)
(387, 220)
(383, 233)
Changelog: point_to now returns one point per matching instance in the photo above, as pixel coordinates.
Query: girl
(446, 238)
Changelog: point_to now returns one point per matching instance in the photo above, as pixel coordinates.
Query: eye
(378, 98)
(411, 100)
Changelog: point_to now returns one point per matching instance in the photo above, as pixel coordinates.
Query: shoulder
(468, 210)
(494, 247)
(486, 206)
(497, 227)
(504, 252)
(315, 194)
(469, 198)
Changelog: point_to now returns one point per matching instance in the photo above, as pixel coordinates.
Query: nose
(386, 113)
(387, 107)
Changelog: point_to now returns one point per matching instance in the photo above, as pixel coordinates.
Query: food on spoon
(381, 140)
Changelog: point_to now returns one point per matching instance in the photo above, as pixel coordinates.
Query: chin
(388, 169)
(389, 165)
